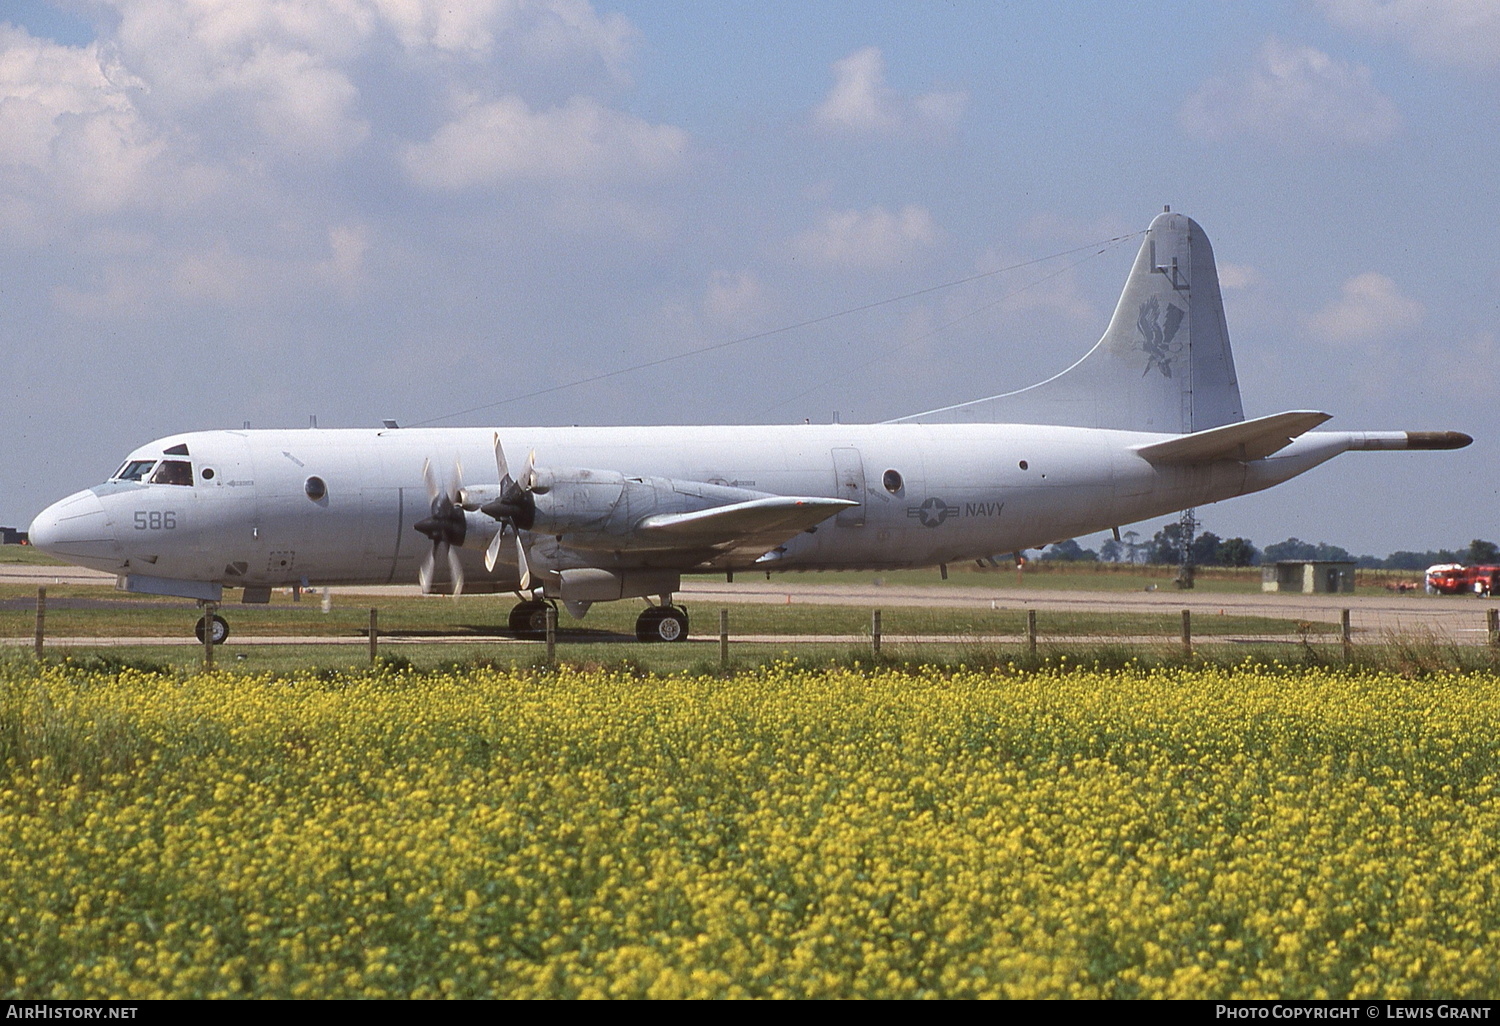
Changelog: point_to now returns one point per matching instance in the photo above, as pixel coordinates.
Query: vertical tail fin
(1163, 364)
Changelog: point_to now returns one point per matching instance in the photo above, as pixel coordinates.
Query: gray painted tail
(1163, 364)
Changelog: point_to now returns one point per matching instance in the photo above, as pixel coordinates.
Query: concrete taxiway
(1449, 618)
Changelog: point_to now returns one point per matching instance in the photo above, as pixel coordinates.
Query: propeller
(444, 525)
(515, 508)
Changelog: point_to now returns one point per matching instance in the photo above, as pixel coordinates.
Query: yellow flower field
(1249, 832)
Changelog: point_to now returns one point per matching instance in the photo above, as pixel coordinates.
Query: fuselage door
(849, 483)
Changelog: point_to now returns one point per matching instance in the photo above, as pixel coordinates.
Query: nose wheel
(662, 623)
(220, 628)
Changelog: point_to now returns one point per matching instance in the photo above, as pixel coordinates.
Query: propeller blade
(528, 476)
(458, 482)
(424, 571)
(456, 570)
(430, 479)
(500, 464)
(523, 563)
(492, 554)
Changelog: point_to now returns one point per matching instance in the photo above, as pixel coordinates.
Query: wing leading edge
(747, 528)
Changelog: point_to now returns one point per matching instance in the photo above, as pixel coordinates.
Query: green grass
(1411, 656)
(27, 555)
(107, 613)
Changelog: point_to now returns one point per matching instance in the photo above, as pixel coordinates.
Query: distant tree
(1481, 551)
(1132, 546)
(1237, 552)
(1407, 560)
(1206, 549)
(1296, 548)
(1165, 547)
(1292, 548)
(1071, 552)
(1112, 551)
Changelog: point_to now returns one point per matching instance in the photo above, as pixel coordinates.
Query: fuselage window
(134, 470)
(173, 472)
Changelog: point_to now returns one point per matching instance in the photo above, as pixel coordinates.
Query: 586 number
(155, 520)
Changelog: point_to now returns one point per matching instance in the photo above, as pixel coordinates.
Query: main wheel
(662, 623)
(529, 618)
(221, 629)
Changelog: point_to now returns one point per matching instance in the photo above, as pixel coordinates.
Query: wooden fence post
(374, 633)
(551, 634)
(723, 637)
(875, 632)
(41, 619)
(210, 610)
(1492, 618)
(1187, 633)
(1031, 631)
(1346, 635)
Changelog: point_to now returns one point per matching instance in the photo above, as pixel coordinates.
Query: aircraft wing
(1245, 440)
(751, 527)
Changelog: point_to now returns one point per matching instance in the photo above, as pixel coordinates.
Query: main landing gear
(529, 619)
(662, 623)
(220, 628)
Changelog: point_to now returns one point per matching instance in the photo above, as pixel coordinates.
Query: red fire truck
(1457, 579)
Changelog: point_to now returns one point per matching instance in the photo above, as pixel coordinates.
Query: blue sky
(212, 213)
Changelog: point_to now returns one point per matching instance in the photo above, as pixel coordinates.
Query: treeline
(1208, 549)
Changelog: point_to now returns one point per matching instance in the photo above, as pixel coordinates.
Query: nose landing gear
(220, 628)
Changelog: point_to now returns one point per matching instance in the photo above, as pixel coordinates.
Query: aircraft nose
(76, 529)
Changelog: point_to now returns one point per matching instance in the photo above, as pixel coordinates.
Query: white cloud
(1369, 307)
(550, 29)
(874, 238)
(291, 69)
(1234, 277)
(279, 66)
(1049, 290)
(1293, 95)
(1461, 32)
(506, 140)
(861, 103)
(733, 299)
(70, 123)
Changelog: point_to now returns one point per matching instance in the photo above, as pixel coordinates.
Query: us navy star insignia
(932, 512)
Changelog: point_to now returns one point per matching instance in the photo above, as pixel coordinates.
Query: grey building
(1308, 576)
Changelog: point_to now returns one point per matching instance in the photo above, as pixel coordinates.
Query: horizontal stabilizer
(1247, 440)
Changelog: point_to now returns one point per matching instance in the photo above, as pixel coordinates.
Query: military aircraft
(1147, 423)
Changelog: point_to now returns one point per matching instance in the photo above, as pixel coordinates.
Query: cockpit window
(134, 470)
(173, 472)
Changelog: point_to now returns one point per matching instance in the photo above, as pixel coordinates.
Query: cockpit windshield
(173, 472)
(134, 470)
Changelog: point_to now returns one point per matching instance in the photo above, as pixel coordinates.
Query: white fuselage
(959, 491)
